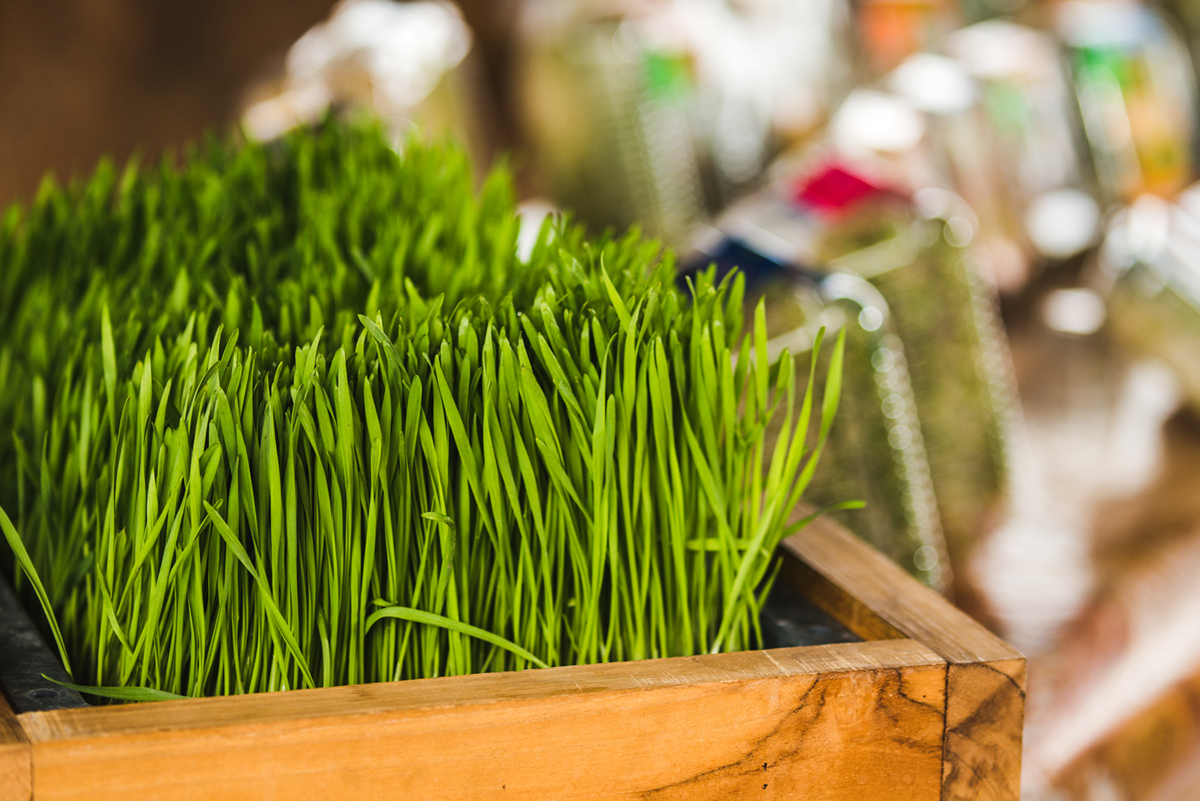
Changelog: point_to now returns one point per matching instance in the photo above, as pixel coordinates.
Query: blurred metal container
(875, 452)
(958, 361)
(914, 251)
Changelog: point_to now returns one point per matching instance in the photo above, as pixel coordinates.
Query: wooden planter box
(929, 706)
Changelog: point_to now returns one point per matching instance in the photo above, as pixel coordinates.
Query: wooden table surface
(1096, 576)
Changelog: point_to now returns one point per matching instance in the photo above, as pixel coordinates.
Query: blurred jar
(1136, 89)
(608, 112)
(914, 249)
(875, 452)
(937, 122)
(659, 113)
(957, 139)
(1032, 180)
(1150, 275)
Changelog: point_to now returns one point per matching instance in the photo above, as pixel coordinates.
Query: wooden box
(928, 706)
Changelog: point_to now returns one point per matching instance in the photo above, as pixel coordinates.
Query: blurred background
(993, 199)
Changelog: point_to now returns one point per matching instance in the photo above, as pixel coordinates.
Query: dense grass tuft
(299, 415)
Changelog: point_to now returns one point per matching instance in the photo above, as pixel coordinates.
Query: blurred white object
(1001, 49)
(773, 67)
(1074, 311)
(388, 56)
(877, 121)
(533, 215)
(1062, 222)
(274, 116)
(1088, 23)
(404, 48)
(934, 84)
(1140, 233)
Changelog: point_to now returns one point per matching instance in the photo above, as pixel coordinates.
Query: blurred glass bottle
(956, 141)
(986, 130)
(875, 452)
(1136, 89)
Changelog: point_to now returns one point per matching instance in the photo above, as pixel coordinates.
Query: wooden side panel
(986, 677)
(827, 722)
(15, 766)
(836, 600)
(984, 721)
(853, 737)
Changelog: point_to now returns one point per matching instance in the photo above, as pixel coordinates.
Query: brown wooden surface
(842, 721)
(1152, 756)
(984, 722)
(15, 781)
(986, 677)
(834, 597)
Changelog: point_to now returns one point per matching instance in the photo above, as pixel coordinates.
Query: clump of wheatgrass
(300, 415)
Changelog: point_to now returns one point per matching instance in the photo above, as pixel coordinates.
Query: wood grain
(824, 722)
(984, 721)
(985, 678)
(15, 765)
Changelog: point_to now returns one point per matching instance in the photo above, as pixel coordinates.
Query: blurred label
(834, 191)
